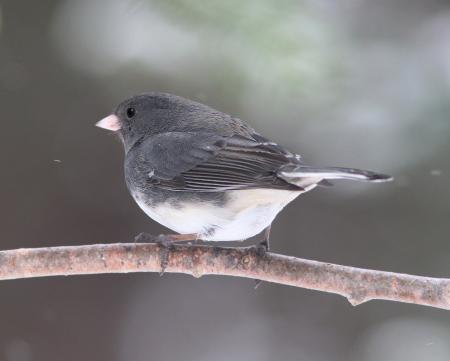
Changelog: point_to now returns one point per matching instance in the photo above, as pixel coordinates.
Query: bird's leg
(263, 247)
(165, 241)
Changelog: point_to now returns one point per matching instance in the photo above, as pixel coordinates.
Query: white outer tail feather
(332, 173)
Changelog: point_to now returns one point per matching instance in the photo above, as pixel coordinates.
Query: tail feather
(333, 173)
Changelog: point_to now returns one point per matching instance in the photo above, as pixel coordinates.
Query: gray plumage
(180, 151)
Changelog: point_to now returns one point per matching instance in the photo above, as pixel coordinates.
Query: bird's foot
(165, 243)
(261, 249)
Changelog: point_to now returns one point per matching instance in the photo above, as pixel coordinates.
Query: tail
(290, 173)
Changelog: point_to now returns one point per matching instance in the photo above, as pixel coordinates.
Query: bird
(207, 175)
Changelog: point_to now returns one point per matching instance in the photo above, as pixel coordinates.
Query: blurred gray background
(355, 83)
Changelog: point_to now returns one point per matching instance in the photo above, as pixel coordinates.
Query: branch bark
(356, 284)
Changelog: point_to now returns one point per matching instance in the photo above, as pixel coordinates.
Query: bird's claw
(261, 249)
(163, 241)
(165, 246)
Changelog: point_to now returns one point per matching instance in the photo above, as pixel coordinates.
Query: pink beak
(111, 122)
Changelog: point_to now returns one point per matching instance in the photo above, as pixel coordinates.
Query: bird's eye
(131, 112)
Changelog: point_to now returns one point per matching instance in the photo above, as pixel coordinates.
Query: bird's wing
(207, 162)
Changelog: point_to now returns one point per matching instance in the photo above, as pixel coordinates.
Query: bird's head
(147, 114)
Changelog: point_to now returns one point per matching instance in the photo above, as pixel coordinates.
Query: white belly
(246, 213)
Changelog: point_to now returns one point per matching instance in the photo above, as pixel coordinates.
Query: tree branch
(356, 284)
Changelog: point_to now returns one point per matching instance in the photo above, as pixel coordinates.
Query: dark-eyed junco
(207, 175)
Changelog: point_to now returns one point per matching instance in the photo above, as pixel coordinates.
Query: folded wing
(205, 162)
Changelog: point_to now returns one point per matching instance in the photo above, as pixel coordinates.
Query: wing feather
(205, 162)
